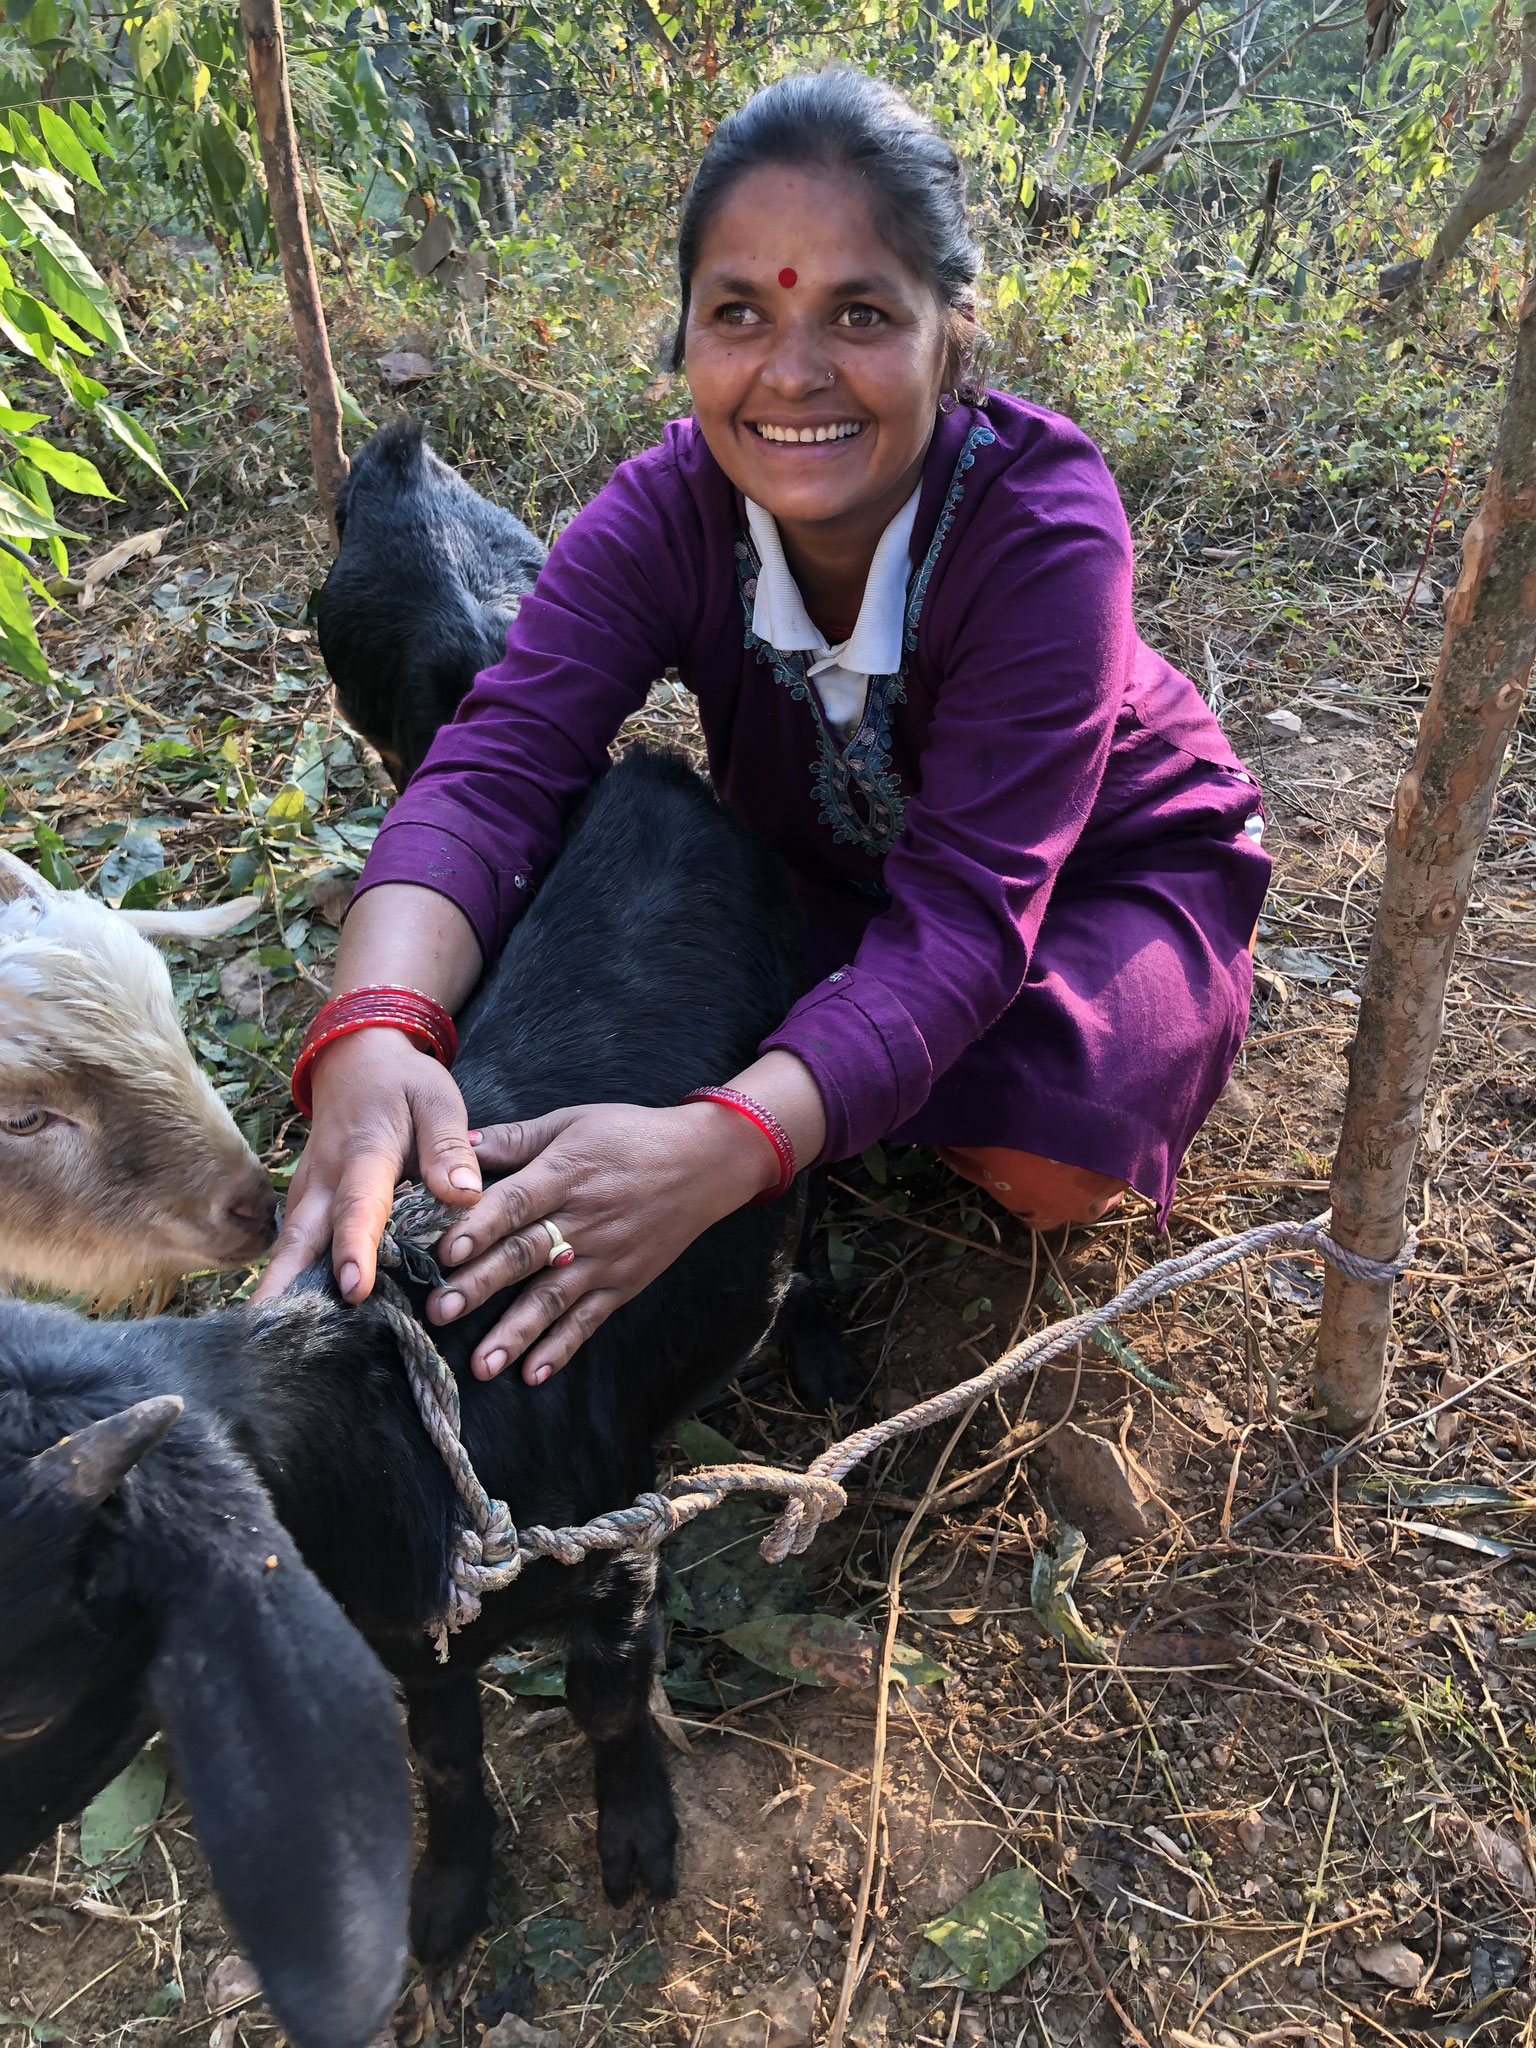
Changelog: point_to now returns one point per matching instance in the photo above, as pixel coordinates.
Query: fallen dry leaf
(96, 571)
(1393, 1962)
(231, 1980)
(1250, 1832)
(1504, 1858)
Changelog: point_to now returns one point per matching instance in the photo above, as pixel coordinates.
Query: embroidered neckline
(844, 778)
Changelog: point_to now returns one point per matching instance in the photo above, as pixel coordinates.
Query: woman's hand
(630, 1189)
(381, 1111)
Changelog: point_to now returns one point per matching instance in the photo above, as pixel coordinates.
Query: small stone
(1284, 721)
(231, 1980)
(686, 1998)
(1393, 1963)
(1043, 1782)
(1221, 1756)
(823, 1930)
(1317, 1799)
(1250, 1833)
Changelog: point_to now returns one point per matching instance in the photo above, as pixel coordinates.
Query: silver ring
(561, 1252)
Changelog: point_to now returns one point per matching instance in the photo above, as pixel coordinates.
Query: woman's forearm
(403, 936)
(785, 1084)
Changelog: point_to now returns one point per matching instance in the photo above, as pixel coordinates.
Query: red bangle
(767, 1123)
(425, 1023)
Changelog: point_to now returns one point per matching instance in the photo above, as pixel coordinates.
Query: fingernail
(460, 1249)
(538, 1376)
(464, 1177)
(348, 1278)
(475, 1137)
(494, 1361)
(448, 1306)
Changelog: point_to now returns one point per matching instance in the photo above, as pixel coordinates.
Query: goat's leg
(812, 1344)
(450, 1892)
(611, 1656)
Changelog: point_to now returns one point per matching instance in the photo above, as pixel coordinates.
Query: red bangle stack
(767, 1123)
(425, 1023)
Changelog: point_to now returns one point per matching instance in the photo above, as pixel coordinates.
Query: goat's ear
(18, 881)
(83, 1469)
(288, 1742)
(209, 923)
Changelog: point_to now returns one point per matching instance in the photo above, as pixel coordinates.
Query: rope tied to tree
(489, 1552)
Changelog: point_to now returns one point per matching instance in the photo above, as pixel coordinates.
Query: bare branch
(1183, 9)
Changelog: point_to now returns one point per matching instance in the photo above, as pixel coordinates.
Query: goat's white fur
(142, 1174)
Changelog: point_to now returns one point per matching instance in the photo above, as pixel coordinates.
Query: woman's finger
(358, 1218)
(504, 1265)
(562, 1340)
(541, 1304)
(306, 1233)
(445, 1159)
(505, 1209)
(503, 1148)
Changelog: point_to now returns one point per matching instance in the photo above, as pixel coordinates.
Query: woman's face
(815, 357)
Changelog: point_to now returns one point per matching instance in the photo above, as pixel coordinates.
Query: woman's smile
(806, 434)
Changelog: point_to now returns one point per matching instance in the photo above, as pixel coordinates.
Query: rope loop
(490, 1551)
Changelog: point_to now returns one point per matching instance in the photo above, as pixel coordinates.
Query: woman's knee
(1044, 1193)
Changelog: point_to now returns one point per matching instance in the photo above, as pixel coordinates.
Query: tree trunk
(1439, 820)
(1267, 219)
(268, 70)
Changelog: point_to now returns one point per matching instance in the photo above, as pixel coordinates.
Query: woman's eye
(27, 1125)
(860, 316)
(737, 314)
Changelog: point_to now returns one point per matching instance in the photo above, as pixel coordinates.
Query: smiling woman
(1027, 857)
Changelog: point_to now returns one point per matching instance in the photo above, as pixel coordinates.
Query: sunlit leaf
(114, 1825)
(124, 428)
(1050, 1594)
(74, 472)
(67, 147)
(984, 1942)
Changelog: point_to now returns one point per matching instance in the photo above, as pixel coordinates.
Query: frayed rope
(490, 1552)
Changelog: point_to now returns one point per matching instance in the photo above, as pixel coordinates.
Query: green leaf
(556, 1948)
(93, 138)
(983, 1943)
(720, 1574)
(20, 519)
(17, 422)
(60, 287)
(529, 1676)
(74, 472)
(1050, 1594)
(72, 261)
(47, 185)
(222, 158)
(124, 428)
(113, 1826)
(288, 811)
(701, 1445)
(1109, 1341)
(52, 861)
(150, 40)
(136, 856)
(351, 411)
(160, 2004)
(19, 648)
(67, 147)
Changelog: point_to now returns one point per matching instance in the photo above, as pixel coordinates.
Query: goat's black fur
(420, 595)
(657, 957)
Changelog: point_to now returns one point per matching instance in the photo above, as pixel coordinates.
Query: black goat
(143, 1580)
(419, 598)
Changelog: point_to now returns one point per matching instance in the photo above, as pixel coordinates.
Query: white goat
(118, 1163)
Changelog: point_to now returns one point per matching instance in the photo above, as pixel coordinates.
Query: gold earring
(948, 400)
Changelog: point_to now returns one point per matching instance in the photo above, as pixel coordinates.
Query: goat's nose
(253, 1212)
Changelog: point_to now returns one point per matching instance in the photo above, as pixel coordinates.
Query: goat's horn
(93, 1463)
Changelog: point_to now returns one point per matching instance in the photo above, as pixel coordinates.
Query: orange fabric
(1041, 1192)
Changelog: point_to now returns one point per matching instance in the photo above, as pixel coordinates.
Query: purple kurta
(1028, 886)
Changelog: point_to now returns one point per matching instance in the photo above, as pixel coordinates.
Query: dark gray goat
(187, 1506)
(419, 598)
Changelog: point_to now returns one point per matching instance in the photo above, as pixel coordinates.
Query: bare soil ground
(1296, 1804)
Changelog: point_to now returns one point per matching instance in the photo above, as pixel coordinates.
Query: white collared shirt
(841, 674)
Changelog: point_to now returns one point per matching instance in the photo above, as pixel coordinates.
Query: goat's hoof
(450, 1902)
(639, 1848)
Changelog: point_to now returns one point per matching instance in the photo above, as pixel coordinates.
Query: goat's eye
(28, 1124)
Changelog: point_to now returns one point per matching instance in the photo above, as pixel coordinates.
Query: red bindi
(787, 278)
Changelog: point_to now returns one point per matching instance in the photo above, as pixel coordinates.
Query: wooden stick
(268, 69)
(1439, 821)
